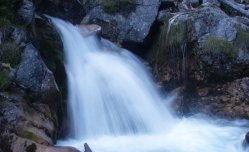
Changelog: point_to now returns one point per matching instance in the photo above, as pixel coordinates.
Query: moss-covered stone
(124, 7)
(51, 49)
(10, 53)
(218, 45)
(242, 38)
(29, 135)
(177, 34)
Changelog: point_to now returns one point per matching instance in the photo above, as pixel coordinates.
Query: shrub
(10, 53)
(4, 80)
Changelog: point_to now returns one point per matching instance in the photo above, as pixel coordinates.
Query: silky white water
(115, 107)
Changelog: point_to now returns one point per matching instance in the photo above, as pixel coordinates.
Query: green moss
(10, 53)
(124, 7)
(242, 39)
(177, 34)
(50, 46)
(217, 45)
(29, 135)
(4, 80)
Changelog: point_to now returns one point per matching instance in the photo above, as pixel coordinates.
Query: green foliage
(10, 53)
(4, 80)
(124, 7)
(217, 45)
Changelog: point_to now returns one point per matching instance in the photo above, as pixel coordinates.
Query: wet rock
(87, 148)
(90, 29)
(56, 149)
(33, 75)
(229, 100)
(204, 45)
(131, 25)
(27, 11)
(247, 138)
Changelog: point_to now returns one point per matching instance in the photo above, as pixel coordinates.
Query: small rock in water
(247, 138)
(87, 148)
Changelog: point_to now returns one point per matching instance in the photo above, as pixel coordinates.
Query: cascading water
(114, 106)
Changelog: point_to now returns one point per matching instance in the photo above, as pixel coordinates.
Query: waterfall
(115, 107)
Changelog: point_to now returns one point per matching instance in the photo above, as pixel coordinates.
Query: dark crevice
(141, 49)
(167, 5)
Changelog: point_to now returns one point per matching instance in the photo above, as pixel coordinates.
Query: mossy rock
(242, 39)
(216, 45)
(124, 7)
(29, 135)
(4, 80)
(177, 34)
(172, 39)
(51, 49)
(10, 53)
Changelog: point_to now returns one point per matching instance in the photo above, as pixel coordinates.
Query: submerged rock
(87, 148)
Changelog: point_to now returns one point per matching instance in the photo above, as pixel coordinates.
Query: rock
(1, 37)
(131, 25)
(204, 45)
(56, 149)
(247, 138)
(33, 75)
(19, 36)
(70, 10)
(242, 20)
(90, 29)
(27, 11)
(230, 100)
(23, 122)
(87, 148)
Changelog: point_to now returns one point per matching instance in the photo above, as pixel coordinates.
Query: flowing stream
(114, 105)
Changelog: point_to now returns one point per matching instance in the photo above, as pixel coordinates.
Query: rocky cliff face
(199, 48)
(203, 47)
(30, 99)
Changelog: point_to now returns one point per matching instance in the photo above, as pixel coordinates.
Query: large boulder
(34, 76)
(120, 23)
(203, 45)
(70, 10)
(25, 121)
